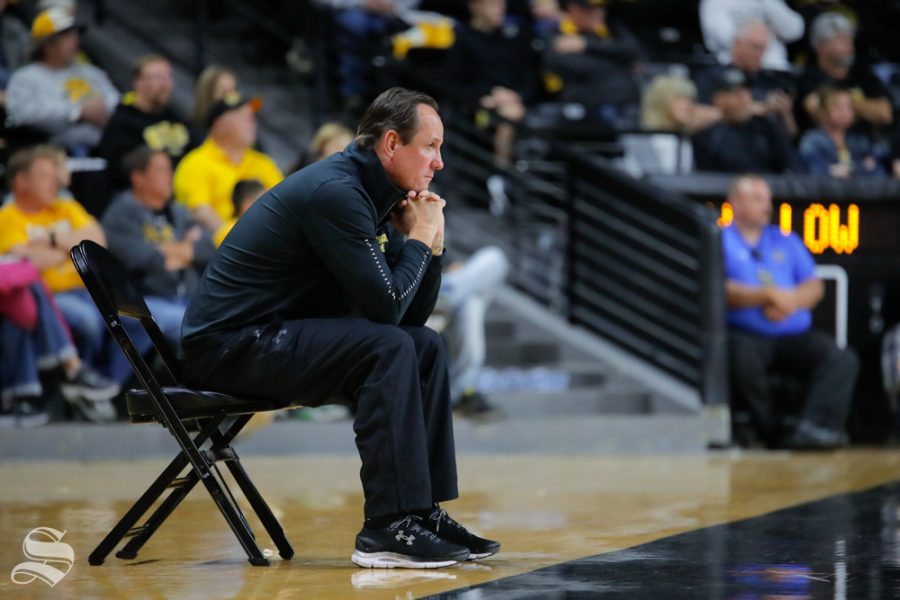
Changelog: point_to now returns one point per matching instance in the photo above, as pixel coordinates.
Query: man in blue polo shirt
(771, 288)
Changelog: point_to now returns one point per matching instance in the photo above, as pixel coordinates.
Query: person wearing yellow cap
(206, 176)
(64, 100)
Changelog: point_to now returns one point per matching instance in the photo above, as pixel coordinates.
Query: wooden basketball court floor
(721, 525)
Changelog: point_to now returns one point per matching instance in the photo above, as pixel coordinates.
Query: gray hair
(395, 109)
(746, 25)
(828, 25)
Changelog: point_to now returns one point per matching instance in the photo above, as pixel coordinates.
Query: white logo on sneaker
(409, 539)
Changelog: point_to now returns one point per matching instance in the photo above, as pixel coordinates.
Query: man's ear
(391, 141)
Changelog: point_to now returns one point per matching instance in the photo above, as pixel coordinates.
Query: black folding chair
(218, 417)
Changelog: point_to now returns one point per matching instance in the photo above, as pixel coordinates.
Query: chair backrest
(116, 295)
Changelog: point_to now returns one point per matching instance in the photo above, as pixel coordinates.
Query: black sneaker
(475, 406)
(445, 526)
(405, 544)
(89, 385)
(91, 394)
(810, 436)
(25, 412)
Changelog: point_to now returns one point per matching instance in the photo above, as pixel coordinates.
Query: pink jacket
(16, 301)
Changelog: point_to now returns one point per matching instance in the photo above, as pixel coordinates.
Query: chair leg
(126, 524)
(218, 490)
(257, 502)
(236, 521)
(165, 509)
(261, 508)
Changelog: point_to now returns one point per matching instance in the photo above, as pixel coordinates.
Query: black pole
(201, 30)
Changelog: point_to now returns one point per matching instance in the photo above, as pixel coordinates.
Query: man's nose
(438, 163)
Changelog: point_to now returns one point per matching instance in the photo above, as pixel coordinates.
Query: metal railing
(644, 270)
(633, 263)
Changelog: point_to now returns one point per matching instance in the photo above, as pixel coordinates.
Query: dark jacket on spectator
(601, 75)
(760, 145)
(760, 84)
(818, 152)
(130, 127)
(479, 61)
(133, 232)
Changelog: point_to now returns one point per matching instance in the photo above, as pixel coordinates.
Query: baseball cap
(51, 22)
(231, 101)
(828, 25)
(728, 80)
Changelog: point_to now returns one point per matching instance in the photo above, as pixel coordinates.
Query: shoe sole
(392, 560)
(74, 392)
(480, 556)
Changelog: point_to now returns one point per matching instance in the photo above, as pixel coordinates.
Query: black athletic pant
(395, 377)
(828, 372)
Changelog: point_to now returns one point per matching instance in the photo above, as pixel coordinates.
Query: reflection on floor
(545, 510)
(846, 546)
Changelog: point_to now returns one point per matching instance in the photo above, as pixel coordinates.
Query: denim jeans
(26, 353)
(168, 313)
(95, 346)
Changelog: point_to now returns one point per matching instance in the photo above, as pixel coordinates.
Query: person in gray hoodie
(68, 101)
(157, 239)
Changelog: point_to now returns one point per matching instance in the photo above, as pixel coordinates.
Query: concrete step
(581, 434)
(573, 402)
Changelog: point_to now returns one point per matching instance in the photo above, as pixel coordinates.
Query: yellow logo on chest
(168, 136)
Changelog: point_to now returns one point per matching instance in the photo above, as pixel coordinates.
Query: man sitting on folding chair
(311, 300)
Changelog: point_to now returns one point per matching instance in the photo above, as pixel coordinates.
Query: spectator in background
(809, 10)
(213, 84)
(720, 21)
(205, 177)
(358, 23)
(246, 192)
(771, 288)
(544, 11)
(668, 114)
(156, 239)
(833, 149)
(67, 101)
(771, 90)
(34, 340)
(592, 62)
(742, 141)
(14, 40)
(492, 62)
(41, 227)
(328, 139)
(467, 289)
(144, 117)
(831, 36)
(494, 67)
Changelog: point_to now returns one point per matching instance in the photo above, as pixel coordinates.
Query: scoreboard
(831, 228)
